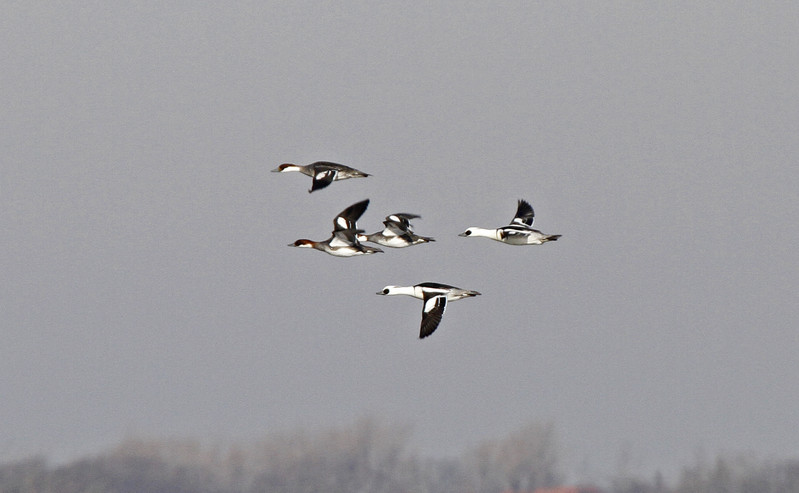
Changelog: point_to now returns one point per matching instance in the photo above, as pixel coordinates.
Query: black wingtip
(523, 205)
(427, 332)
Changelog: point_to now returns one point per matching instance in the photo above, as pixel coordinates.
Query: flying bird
(435, 297)
(397, 232)
(323, 172)
(343, 242)
(519, 232)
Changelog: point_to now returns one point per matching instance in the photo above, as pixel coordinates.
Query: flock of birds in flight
(347, 240)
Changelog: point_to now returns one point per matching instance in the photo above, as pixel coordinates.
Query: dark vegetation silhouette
(365, 457)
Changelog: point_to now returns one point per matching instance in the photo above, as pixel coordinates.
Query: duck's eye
(385, 291)
(467, 232)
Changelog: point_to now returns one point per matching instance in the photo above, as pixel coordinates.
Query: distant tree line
(726, 475)
(367, 457)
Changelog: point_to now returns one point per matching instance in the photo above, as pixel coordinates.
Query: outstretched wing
(403, 219)
(524, 214)
(399, 224)
(322, 178)
(432, 311)
(347, 218)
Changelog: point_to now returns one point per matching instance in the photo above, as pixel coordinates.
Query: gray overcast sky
(147, 285)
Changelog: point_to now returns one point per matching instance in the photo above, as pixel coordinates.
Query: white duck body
(512, 235)
(519, 232)
(435, 297)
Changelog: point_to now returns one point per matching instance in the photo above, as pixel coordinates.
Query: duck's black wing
(401, 219)
(346, 219)
(524, 214)
(322, 178)
(432, 311)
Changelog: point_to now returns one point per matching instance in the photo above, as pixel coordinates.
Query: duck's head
(303, 243)
(286, 167)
